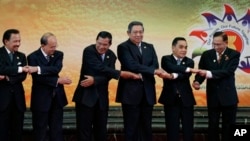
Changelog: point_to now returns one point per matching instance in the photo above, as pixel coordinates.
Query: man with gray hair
(47, 96)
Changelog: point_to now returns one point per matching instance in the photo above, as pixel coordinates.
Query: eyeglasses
(217, 44)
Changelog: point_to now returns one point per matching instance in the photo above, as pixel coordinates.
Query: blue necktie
(178, 61)
(103, 57)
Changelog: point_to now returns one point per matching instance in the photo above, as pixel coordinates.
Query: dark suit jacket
(221, 88)
(180, 85)
(45, 84)
(102, 71)
(14, 86)
(128, 91)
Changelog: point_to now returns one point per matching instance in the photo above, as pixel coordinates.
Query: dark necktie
(11, 56)
(48, 58)
(140, 49)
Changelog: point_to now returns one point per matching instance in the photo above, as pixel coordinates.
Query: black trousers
(11, 123)
(91, 122)
(50, 121)
(178, 114)
(138, 121)
(228, 119)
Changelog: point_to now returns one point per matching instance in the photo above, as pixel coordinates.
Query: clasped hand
(30, 69)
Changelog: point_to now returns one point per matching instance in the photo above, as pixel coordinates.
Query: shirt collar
(221, 52)
(139, 44)
(8, 51)
(176, 58)
(44, 54)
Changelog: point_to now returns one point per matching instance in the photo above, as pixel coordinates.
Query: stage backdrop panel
(77, 22)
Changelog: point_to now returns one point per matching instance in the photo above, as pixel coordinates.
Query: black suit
(47, 97)
(221, 90)
(137, 96)
(12, 100)
(178, 99)
(92, 102)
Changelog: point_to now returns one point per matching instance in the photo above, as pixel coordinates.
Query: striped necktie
(48, 58)
(219, 58)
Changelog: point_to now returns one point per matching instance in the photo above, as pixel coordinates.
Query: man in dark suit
(47, 96)
(137, 96)
(12, 73)
(91, 94)
(177, 95)
(218, 66)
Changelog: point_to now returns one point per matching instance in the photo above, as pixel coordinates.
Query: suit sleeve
(201, 65)
(97, 65)
(19, 77)
(12, 71)
(170, 67)
(126, 58)
(49, 74)
(55, 68)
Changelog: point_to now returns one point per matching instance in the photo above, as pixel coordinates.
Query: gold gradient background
(77, 22)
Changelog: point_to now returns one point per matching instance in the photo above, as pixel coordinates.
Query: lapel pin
(214, 61)
(107, 57)
(226, 57)
(17, 57)
(183, 63)
(145, 47)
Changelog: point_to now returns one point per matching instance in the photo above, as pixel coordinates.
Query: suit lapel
(224, 56)
(41, 56)
(173, 59)
(145, 52)
(6, 55)
(135, 50)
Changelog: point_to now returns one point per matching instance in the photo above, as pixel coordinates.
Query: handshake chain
(163, 74)
(34, 69)
(30, 69)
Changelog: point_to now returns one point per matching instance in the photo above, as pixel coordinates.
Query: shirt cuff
(175, 75)
(38, 70)
(209, 74)
(187, 70)
(20, 69)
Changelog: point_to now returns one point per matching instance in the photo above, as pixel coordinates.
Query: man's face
(180, 49)
(219, 45)
(13, 43)
(136, 34)
(102, 45)
(50, 48)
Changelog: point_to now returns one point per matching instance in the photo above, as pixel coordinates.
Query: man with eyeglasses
(218, 66)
